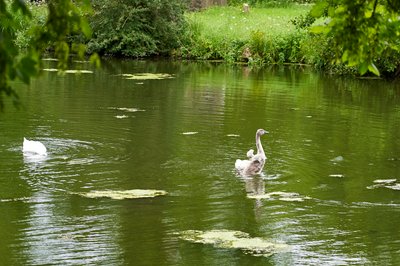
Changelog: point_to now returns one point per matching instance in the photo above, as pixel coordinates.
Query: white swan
(256, 162)
(34, 147)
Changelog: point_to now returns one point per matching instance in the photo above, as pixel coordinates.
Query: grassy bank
(262, 36)
(275, 35)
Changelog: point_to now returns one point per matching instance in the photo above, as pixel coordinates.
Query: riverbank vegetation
(260, 36)
(271, 32)
(336, 36)
(283, 35)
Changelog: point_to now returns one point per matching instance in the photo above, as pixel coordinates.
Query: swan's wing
(241, 164)
(250, 154)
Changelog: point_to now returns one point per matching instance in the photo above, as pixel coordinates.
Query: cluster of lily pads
(69, 71)
(123, 194)
(137, 76)
(146, 76)
(228, 239)
(235, 240)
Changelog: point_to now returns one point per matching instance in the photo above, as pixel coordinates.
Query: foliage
(303, 21)
(63, 19)
(361, 31)
(136, 28)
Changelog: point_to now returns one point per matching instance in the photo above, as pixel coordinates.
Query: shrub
(136, 28)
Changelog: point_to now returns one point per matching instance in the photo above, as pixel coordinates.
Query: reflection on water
(331, 139)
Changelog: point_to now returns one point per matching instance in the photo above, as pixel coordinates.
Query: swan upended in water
(34, 147)
(256, 162)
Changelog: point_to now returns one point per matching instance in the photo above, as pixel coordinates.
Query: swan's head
(261, 132)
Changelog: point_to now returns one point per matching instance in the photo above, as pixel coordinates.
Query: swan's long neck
(260, 149)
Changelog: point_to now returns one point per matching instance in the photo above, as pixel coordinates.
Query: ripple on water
(69, 161)
(69, 240)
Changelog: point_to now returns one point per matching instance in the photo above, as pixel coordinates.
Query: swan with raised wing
(256, 162)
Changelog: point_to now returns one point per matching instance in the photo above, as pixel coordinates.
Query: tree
(363, 31)
(64, 19)
(136, 28)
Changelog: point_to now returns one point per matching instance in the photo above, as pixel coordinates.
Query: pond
(329, 193)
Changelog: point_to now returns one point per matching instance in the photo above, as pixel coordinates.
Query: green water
(330, 139)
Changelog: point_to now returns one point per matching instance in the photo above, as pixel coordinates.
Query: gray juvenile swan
(256, 162)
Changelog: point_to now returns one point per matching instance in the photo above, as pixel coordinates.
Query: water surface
(330, 139)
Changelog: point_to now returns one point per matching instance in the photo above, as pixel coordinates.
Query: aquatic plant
(146, 76)
(68, 71)
(280, 195)
(123, 194)
(235, 240)
(385, 183)
(190, 133)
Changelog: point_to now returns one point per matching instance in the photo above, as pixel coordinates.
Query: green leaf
(95, 60)
(331, 11)
(345, 56)
(363, 68)
(318, 29)
(373, 69)
(26, 69)
(85, 27)
(318, 9)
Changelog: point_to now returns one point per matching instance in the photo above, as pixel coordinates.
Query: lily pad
(127, 109)
(189, 133)
(386, 183)
(336, 175)
(123, 194)
(146, 76)
(394, 187)
(121, 116)
(235, 240)
(337, 159)
(49, 59)
(280, 195)
(69, 71)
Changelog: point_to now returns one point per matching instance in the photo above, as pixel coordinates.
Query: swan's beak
(266, 132)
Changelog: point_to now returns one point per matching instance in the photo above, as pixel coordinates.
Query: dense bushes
(136, 28)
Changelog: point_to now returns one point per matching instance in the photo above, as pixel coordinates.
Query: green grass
(225, 33)
(231, 23)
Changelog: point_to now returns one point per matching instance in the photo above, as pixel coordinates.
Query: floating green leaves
(123, 194)
(147, 76)
(386, 183)
(235, 240)
(127, 109)
(279, 195)
(69, 71)
(337, 175)
(190, 133)
(121, 116)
